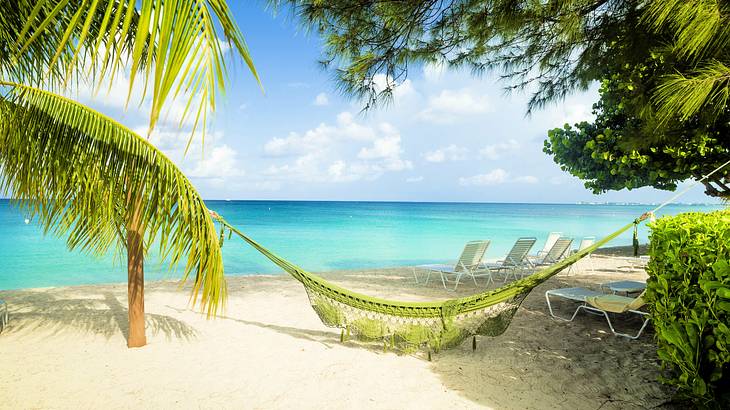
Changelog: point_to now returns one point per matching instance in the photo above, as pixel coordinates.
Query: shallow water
(325, 236)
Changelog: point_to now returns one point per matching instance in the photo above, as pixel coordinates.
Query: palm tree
(84, 175)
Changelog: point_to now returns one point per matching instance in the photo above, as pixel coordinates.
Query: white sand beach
(65, 348)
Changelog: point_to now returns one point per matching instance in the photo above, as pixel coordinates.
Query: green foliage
(80, 174)
(556, 45)
(553, 47)
(624, 147)
(700, 37)
(689, 294)
(91, 41)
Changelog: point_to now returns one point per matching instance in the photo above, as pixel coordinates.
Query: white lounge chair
(549, 242)
(559, 250)
(600, 303)
(586, 242)
(468, 264)
(516, 260)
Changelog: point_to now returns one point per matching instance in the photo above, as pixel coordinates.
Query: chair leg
(443, 280)
(458, 278)
(626, 335)
(415, 276)
(552, 313)
(610, 324)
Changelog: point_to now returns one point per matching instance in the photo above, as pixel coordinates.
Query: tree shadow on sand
(538, 362)
(86, 310)
(327, 338)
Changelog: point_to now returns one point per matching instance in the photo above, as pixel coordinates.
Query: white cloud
(217, 162)
(527, 179)
(335, 153)
(449, 105)
(412, 180)
(399, 90)
(113, 94)
(493, 177)
(220, 163)
(495, 151)
(297, 143)
(321, 137)
(321, 99)
(557, 180)
(386, 147)
(449, 153)
(433, 72)
(576, 112)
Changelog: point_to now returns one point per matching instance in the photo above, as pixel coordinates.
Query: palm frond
(78, 172)
(701, 28)
(33, 66)
(187, 58)
(684, 95)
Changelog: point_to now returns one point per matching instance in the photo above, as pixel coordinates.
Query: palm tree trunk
(135, 275)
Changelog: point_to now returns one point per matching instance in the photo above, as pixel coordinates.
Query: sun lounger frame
(561, 293)
(468, 264)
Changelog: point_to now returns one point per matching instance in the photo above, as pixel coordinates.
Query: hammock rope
(413, 325)
(410, 326)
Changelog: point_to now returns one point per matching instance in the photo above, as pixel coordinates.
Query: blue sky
(448, 136)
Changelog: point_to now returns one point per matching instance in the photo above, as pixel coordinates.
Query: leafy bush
(689, 294)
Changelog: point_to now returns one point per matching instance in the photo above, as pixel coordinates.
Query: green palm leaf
(187, 59)
(79, 173)
(701, 37)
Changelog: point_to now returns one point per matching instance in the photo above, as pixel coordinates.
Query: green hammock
(409, 326)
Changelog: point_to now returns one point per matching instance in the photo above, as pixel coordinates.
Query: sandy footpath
(66, 348)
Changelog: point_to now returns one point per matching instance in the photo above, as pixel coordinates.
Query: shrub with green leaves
(689, 294)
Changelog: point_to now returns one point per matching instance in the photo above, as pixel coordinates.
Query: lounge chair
(3, 314)
(586, 242)
(624, 286)
(468, 264)
(600, 303)
(516, 259)
(549, 242)
(559, 250)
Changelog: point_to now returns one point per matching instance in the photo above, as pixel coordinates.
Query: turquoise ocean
(321, 236)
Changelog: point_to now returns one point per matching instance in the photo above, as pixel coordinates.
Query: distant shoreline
(378, 201)
(611, 251)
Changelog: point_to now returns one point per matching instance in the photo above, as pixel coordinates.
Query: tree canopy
(664, 66)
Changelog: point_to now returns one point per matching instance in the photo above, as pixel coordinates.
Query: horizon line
(624, 203)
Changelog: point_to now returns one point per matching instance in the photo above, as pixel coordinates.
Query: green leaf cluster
(688, 291)
(628, 145)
